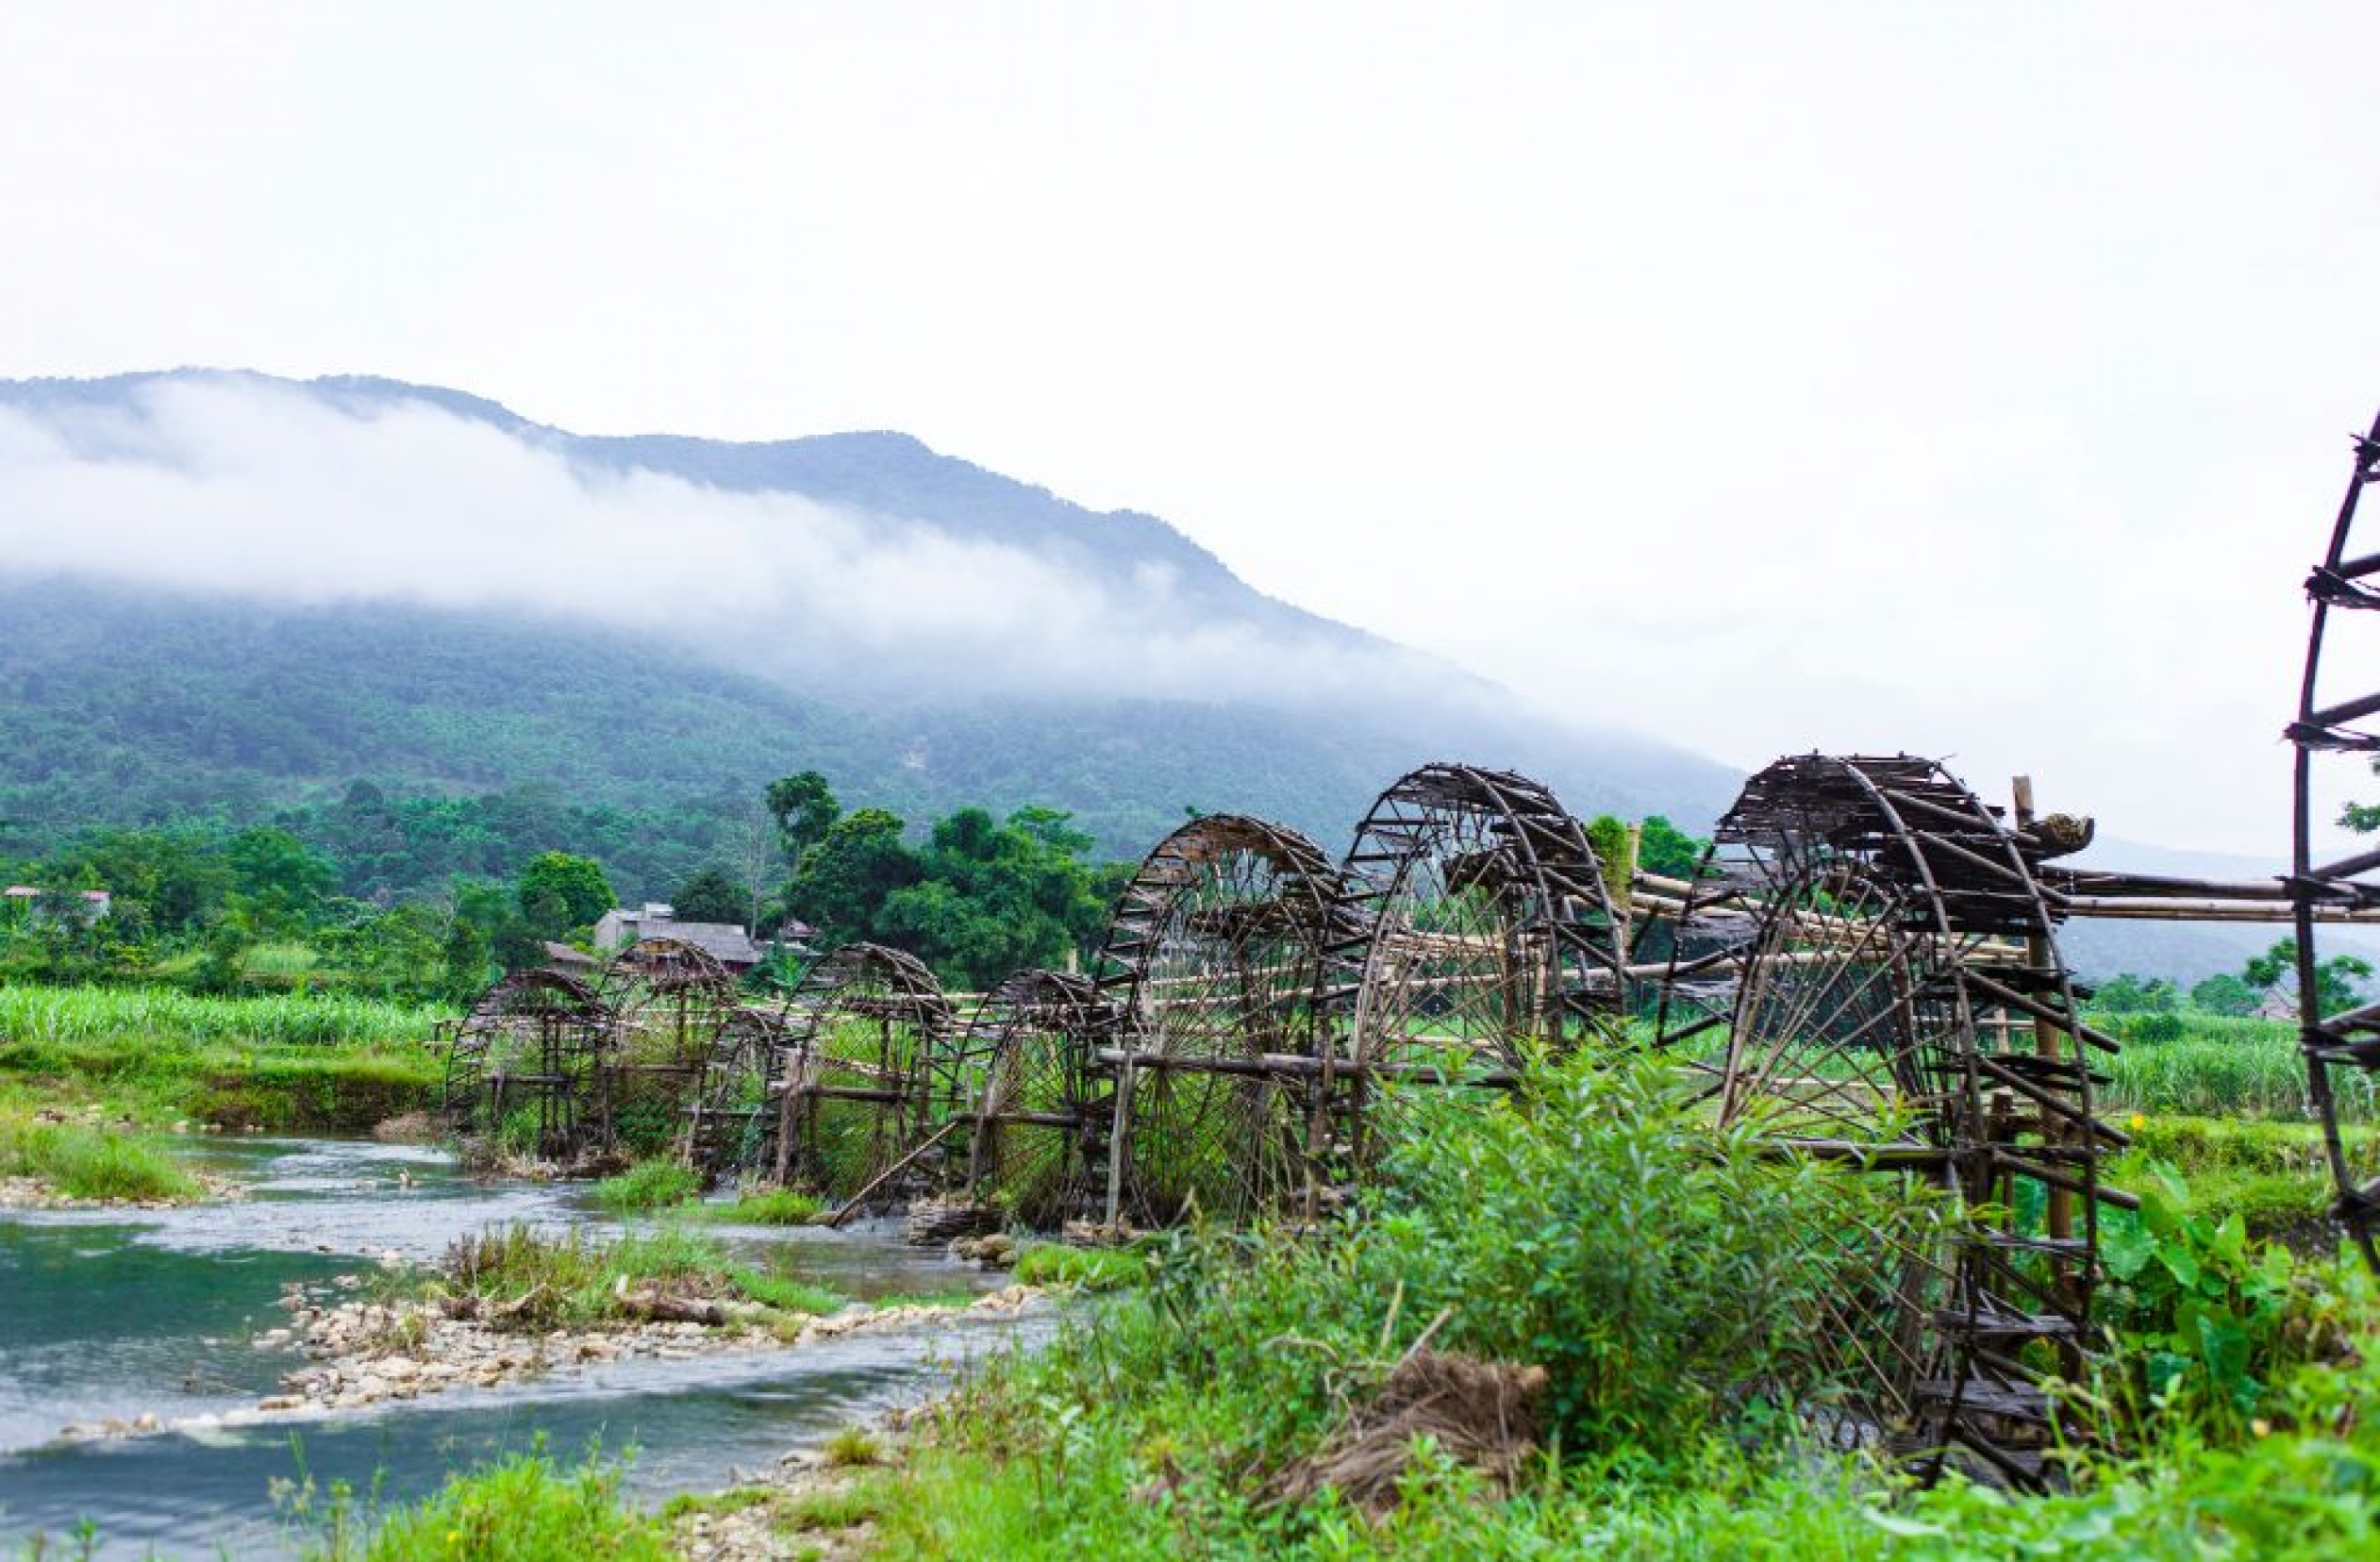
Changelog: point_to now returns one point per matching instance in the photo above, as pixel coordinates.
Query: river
(118, 1314)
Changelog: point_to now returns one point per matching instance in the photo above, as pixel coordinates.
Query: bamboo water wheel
(1039, 1126)
(1867, 975)
(1484, 931)
(668, 1001)
(523, 1069)
(732, 1132)
(1226, 954)
(2337, 729)
(870, 1031)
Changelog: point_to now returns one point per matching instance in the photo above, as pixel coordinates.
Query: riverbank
(369, 1352)
(179, 1316)
(49, 1160)
(155, 1058)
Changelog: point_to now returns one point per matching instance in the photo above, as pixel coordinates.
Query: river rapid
(119, 1315)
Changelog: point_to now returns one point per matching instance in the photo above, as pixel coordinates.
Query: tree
(844, 880)
(557, 888)
(278, 871)
(996, 897)
(2225, 994)
(1666, 849)
(805, 809)
(2335, 979)
(709, 896)
(2129, 994)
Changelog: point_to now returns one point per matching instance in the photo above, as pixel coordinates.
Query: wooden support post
(2047, 1042)
(789, 1110)
(1119, 1138)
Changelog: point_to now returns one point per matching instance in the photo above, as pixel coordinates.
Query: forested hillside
(121, 705)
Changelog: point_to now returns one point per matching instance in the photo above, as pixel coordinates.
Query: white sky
(1966, 379)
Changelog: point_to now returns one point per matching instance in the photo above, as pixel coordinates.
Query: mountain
(255, 641)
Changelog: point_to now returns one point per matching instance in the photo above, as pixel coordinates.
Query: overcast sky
(1970, 380)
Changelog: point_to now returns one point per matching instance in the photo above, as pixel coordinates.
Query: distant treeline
(429, 897)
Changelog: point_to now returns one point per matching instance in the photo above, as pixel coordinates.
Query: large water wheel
(1225, 952)
(1040, 1105)
(870, 1031)
(1484, 932)
(1867, 975)
(2337, 728)
(523, 1069)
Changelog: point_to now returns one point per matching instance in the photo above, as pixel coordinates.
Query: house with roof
(30, 902)
(726, 943)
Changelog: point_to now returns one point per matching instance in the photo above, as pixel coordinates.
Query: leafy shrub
(91, 1163)
(774, 1206)
(522, 1509)
(2207, 1316)
(1085, 1268)
(647, 1184)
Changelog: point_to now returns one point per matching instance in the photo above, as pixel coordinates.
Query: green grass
(736, 1500)
(648, 1184)
(2273, 1175)
(950, 1296)
(1661, 1275)
(2220, 1067)
(852, 1446)
(778, 1206)
(1081, 1268)
(522, 1509)
(322, 1064)
(785, 1294)
(167, 1016)
(542, 1281)
(91, 1163)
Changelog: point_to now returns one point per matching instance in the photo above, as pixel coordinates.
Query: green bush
(774, 1206)
(647, 1184)
(522, 1509)
(91, 1163)
(1085, 1269)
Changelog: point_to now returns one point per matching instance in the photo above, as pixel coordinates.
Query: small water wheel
(1042, 1102)
(870, 1031)
(521, 1069)
(668, 1002)
(2338, 730)
(1224, 954)
(736, 1106)
(1866, 976)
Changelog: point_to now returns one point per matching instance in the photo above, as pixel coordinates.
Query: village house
(725, 942)
(27, 902)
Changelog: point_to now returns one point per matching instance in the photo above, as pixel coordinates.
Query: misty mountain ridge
(312, 586)
(226, 661)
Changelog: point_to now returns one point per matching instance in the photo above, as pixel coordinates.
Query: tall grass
(154, 1015)
(2216, 1067)
(537, 1281)
(647, 1184)
(524, 1508)
(90, 1163)
(339, 1064)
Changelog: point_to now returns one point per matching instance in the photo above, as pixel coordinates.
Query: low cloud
(267, 490)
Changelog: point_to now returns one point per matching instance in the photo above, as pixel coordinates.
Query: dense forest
(128, 706)
(430, 895)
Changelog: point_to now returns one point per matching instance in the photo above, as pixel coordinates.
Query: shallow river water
(120, 1314)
